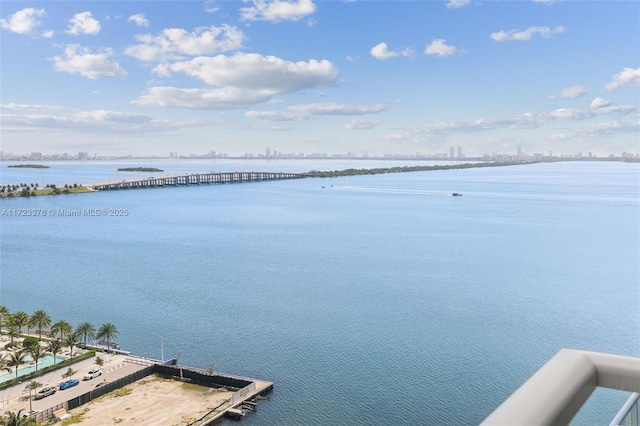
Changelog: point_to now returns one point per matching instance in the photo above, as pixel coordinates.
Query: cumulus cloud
(599, 103)
(173, 43)
(23, 21)
(48, 34)
(570, 92)
(80, 60)
(256, 72)
(277, 10)
(440, 47)
(381, 51)
(83, 23)
(207, 99)
(456, 4)
(629, 77)
(515, 35)
(139, 19)
(361, 124)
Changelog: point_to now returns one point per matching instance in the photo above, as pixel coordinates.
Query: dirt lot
(151, 401)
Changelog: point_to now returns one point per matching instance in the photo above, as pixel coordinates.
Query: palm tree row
(61, 333)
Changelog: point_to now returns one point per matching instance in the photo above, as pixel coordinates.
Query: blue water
(45, 361)
(381, 300)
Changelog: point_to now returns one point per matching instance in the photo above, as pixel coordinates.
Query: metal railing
(629, 411)
(555, 393)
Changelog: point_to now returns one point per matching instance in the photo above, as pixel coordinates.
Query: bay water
(367, 300)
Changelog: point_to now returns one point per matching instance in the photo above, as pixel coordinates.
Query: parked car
(69, 384)
(44, 392)
(93, 374)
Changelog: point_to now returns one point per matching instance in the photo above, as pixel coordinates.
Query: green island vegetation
(30, 166)
(33, 189)
(404, 169)
(32, 337)
(139, 169)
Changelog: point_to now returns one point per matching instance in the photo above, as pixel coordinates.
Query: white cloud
(277, 10)
(48, 34)
(80, 60)
(83, 23)
(23, 21)
(304, 111)
(256, 72)
(274, 115)
(455, 4)
(528, 120)
(210, 6)
(381, 51)
(332, 108)
(31, 107)
(546, 2)
(439, 47)
(207, 99)
(101, 121)
(172, 43)
(599, 103)
(515, 35)
(570, 92)
(629, 77)
(139, 20)
(361, 124)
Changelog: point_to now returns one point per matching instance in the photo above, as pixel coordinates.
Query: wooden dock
(186, 179)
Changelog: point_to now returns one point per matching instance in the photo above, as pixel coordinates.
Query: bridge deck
(191, 179)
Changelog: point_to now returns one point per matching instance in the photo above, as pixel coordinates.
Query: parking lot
(115, 367)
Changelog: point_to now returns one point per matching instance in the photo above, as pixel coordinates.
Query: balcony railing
(555, 393)
(628, 414)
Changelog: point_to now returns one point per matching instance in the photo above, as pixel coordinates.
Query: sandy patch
(153, 401)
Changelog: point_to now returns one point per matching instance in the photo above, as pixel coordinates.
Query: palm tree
(40, 319)
(61, 327)
(4, 363)
(54, 347)
(20, 319)
(86, 329)
(16, 359)
(16, 419)
(36, 353)
(72, 340)
(12, 330)
(4, 315)
(33, 385)
(107, 332)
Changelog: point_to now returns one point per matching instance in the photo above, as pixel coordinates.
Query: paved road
(115, 367)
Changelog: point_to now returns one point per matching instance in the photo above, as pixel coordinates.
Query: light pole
(161, 348)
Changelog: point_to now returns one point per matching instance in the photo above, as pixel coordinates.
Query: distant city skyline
(145, 78)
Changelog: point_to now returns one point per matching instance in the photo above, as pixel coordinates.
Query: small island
(139, 169)
(30, 166)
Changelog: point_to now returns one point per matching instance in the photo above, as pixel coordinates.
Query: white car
(92, 374)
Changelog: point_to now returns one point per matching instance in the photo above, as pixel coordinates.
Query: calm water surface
(377, 300)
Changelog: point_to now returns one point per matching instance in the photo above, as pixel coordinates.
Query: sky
(311, 76)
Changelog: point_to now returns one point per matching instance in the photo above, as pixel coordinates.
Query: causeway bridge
(192, 179)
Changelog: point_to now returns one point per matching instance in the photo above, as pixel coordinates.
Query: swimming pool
(45, 361)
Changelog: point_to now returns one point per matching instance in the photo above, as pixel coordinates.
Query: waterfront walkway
(192, 179)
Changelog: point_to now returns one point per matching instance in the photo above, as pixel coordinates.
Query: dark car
(44, 392)
(69, 384)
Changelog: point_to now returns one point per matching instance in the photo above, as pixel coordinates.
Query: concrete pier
(209, 178)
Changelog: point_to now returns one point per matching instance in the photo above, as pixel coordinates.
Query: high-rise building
(452, 152)
(460, 155)
(267, 152)
(83, 155)
(519, 151)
